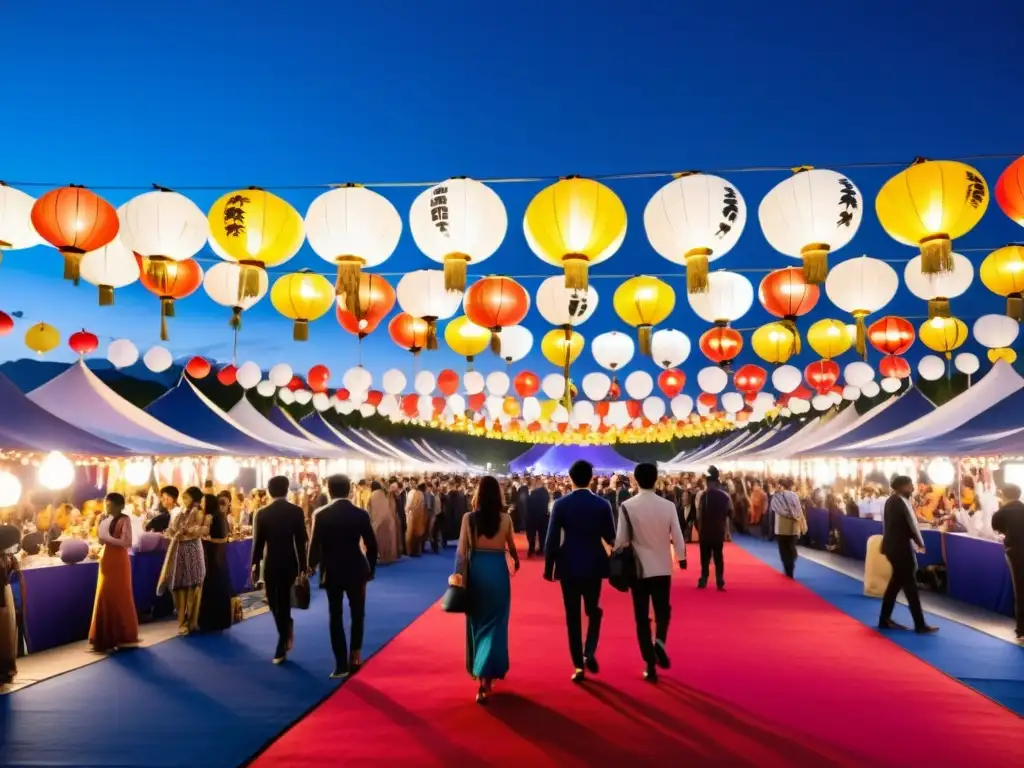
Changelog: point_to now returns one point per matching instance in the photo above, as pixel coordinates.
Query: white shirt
(655, 527)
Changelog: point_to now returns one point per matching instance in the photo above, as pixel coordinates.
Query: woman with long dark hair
(215, 605)
(480, 562)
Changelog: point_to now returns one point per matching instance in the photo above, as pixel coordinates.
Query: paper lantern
(375, 300)
(670, 382)
(321, 401)
(653, 409)
(732, 402)
(943, 334)
(281, 374)
(553, 385)
(785, 294)
(721, 345)
(248, 375)
(353, 228)
(858, 373)
(157, 359)
(318, 377)
(871, 389)
(938, 288)
(893, 367)
(516, 343)
(1006, 355)
(1009, 191)
(122, 353)
(526, 384)
(994, 331)
(565, 306)
(930, 204)
(466, 338)
(931, 368)
(728, 297)
(393, 381)
(474, 382)
(1002, 272)
(639, 385)
(861, 287)
(424, 383)
(750, 379)
(822, 375)
(891, 335)
(643, 302)
(596, 385)
(455, 222)
(612, 350)
(495, 303)
(669, 348)
(851, 393)
(694, 220)
(83, 343)
(111, 267)
(890, 385)
(16, 230)
(74, 220)
(682, 406)
(6, 324)
(176, 280)
(408, 332)
(774, 343)
(302, 297)
(422, 294)
(41, 338)
(447, 382)
(812, 213)
(829, 338)
(560, 348)
(198, 368)
(223, 284)
(967, 363)
(575, 223)
(163, 225)
(712, 380)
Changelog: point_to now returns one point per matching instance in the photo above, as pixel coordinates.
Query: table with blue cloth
(855, 532)
(58, 599)
(818, 527)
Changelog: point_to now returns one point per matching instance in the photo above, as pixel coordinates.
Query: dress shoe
(702, 583)
(890, 624)
(339, 674)
(280, 658)
(591, 664)
(721, 586)
(661, 655)
(651, 674)
(926, 630)
(578, 676)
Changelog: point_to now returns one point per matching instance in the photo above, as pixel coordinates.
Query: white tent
(245, 413)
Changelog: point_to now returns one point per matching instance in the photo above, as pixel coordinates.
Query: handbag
(456, 598)
(623, 567)
(300, 593)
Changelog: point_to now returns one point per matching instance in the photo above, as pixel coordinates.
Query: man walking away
(537, 506)
(279, 545)
(1009, 521)
(899, 537)
(651, 524)
(580, 562)
(338, 530)
(788, 513)
(715, 509)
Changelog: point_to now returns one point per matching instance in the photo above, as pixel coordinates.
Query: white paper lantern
(561, 306)
(583, 411)
(163, 223)
(225, 470)
(704, 409)
(861, 286)
(248, 375)
(851, 392)
(265, 388)
(303, 396)
(764, 400)
(967, 362)
(931, 368)
(553, 385)
(559, 415)
(654, 409)
(870, 389)
(10, 486)
(531, 409)
(222, 283)
(356, 379)
(516, 343)
(344, 407)
(321, 401)
(388, 404)
(286, 396)
(941, 472)
(785, 412)
(728, 298)
(836, 397)
(56, 472)
(281, 374)
(996, 331)
(425, 407)
(596, 385)
(498, 383)
(358, 397)
(858, 373)
(639, 385)
(157, 359)
(799, 406)
(712, 379)
(942, 285)
(16, 230)
(424, 383)
(136, 472)
(474, 382)
(890, 385)
(612, 350)
(422, 293)
(366, 410)
(393, 381)
(457, 403)
(669, 348)
(353, 224)
(618, 414)
(732, 402)
(122, 353)
(786, 378)
(111, 267)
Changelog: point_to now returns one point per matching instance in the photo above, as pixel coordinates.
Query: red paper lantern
(342, 395)
(891, 335)
(296, 384)
(448, 382)
(495, 303)
(601, 408)
(476, 402)
(1010, 191)
(169, 281)
(198, 368)
(892, 367)
(373, 397)
(634, 408)
(227, 375)
(318, 377)
(83, 342)
(785, 293)
(408, 332)
(750, 379)
(822, 375)
(439, 403)
(671, 382)
(721, 344)
(411, 405)
(74, 220)
(526, 384)
(6, 324)
(707, 399)
(376, 300)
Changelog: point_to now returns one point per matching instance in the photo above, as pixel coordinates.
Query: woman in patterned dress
(185, 565)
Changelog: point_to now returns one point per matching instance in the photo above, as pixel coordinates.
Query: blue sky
(272, 94)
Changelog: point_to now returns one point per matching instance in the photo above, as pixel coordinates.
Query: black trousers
(587, 591)
(356, 595)
(536, 531)
(1016, 562)
(435, 533)
(709, 550)
(648, 593)
(279, 598)
(787, 551)
(904, 579)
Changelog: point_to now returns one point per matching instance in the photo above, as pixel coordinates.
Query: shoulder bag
(300, 593)
(623, 567)
(456, 598)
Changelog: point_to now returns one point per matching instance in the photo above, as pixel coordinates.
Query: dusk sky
(199, 93)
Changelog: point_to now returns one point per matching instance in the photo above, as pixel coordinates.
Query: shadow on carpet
(206, 700)
(991, 666)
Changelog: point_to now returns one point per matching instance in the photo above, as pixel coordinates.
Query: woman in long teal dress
(485, 537)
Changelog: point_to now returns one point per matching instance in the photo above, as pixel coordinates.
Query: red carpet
(765, 674)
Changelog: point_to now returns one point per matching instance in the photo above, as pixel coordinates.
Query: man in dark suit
(334, 547)
(900, 536)
(580, 562)
(522, 502)
(537, 510)
(279, 544)
(712, 525)
(1009, 521)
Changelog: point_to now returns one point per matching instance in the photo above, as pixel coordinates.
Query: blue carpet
(203, 700)
(991, 666)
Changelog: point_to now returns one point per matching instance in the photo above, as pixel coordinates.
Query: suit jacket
(898, 533)
(538, 504)
(715, 509)
(586, 519)
(279, 541)
(1009, 521)
(338, 530)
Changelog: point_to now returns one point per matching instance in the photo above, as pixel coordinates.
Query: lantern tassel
(106, 295)
(576, 268)
(791, 325)
(347, 284)
(496, 341)
(249, 280)
(697, 270)
(862, 334)
(72, 265)
(815, 258)
(236, 318)
(300, 330)
(643, 337)
(936, 255)
(156, 270)
(455, 267)
(1015, 306)
(938, 307)
(166, 310)
(431, 333)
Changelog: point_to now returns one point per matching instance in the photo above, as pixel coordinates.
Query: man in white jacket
(651, 525)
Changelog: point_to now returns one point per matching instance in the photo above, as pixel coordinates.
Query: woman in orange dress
(114, 621)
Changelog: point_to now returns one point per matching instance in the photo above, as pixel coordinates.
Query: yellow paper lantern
(511, 407)
(1002, 272)
(560, 350)
(41, 338)
(829, 338)
(943, 334)
(1003, 353)
(643, 302)
(547, 409)
(774, 343)
(930, 204)
(575, 223)
(466, 338)
(302, 296)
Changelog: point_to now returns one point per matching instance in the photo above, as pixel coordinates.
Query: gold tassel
(643, 337)
(166, 310)
(455, 265)
(797, 344)
(347, 284)
(236, 318)
(936, 255)
(156, 269)
(496, 341)
(815, 258)
(431, 333)
(249, 280)
(938, 307)
(300, 330)
(862, 334)
(576, 267)
(168, 305)
(567, 395)
(72, 265)
(697, 270)
(1015, 306)
(106, 295)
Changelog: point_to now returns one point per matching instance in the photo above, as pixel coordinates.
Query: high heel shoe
(481, 695)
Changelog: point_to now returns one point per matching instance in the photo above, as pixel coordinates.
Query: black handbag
(623, 567)
(300, 593)
(456, 599)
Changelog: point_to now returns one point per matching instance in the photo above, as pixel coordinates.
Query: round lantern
(891, 335)
(422, 294)
(447, 382)
(198, 368)
(930, 204)
(596, 385)
(938, 288)
(786, 378)
(693, 220)
(565, 306)
(560, 350)
(375, 299)
(670, 382)
(612, 350)
(1002, 272)
(967, 363)
(829, 338)
(931, 368)
(1006, 355)
(356, 379)
(302, 297)
(774, 343)
(526, 384)
(893, 367)
(553, 385)
(495, 303)
(721, 345)
(228, 375)
(248, 375)
(162, 226)
(408, 332)
(281, 375)
(394, 381)
(466, 338)
(474, 382)
(861, 287)
(813, 212)
(177, 280)
(223, 284)
(575, 223)
(122, 353)
(455, 222)
(750, 379)
(943, 334)
(516, 343)
(318, 377)
(74, 220)
(995, 331)
(16, 230)
(728, 297)
(41, 338)
(83, 343)
(157, 359)
(712, 380)
(110, 267)
(1009, 191)
(785, 294)
(858, 373)
(669, 348)
(643, 302)
(6, 324)
(822, 375)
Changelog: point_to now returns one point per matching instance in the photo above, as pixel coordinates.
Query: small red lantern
(786, 294)
(891, 335)
(892, 367)
(448, 382)
(750, 379)
(6, 324)
(318, 377)
(495, 303)
(671, 382)
(373, 397)
(411, 405)
(342, 395)
(526, 384)
(601, 408)
(296, 384)
(822, 375)
(83, 342)
(174, 280)
(721, 344)
(198, 368)
(439, 403)
(408, 332)
(1010, 191)
(74, 220)
(376, 300)
(476, 402)
(708, 400)
(227, 375)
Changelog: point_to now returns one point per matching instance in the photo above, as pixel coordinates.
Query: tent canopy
(556, 459)
(245, 413)
(894, 413)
